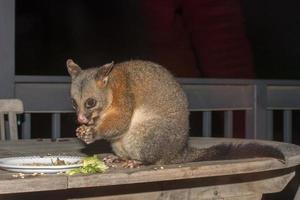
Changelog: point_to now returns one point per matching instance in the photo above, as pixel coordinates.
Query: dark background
(96, 32)
(91, 32)
(273, 30)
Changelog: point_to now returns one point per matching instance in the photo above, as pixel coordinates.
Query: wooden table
(235, 179)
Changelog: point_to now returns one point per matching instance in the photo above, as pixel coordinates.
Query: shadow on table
(99, 146)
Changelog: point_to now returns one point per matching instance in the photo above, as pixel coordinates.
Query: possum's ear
(102, 74)
(73, 68)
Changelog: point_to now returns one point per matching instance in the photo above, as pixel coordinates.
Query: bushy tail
(229, 152)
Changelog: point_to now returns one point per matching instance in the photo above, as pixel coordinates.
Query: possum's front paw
(86, 134)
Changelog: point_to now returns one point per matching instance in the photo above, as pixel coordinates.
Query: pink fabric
(204, 38)
(199, 37)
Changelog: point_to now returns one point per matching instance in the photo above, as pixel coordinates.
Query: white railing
(258, 98)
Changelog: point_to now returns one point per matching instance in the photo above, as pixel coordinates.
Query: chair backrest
(10, 107)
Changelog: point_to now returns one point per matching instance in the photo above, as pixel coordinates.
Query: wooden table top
(145, 174)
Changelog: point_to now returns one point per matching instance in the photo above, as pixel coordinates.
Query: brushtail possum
(143, 112)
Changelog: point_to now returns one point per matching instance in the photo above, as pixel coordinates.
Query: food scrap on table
(90, 165)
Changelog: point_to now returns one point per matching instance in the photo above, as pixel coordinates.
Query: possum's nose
(81, 118)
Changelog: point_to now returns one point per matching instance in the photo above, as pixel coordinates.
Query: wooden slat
(26, 126)
(228, 124)
(11, 105)
(230, 191)
(283, 97)
(249, 190)
(206, 124)
(270, 125)
(2, 127)
(55, 125)
(13, 129)
(260, 110)
(201, 97)
(42, 183)
(219, 97)
(250, 125)
(287, 126)
(32, 94)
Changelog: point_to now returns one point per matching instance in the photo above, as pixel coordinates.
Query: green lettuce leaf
(90, 165)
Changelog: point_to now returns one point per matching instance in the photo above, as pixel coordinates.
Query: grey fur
(155, 118)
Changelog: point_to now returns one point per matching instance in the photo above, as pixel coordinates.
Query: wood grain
(228, 179)
(9, 184)
(11, 105)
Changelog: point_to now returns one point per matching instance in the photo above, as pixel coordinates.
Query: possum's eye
(74, 104)
(90, 103)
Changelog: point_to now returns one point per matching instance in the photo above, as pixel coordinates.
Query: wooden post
(55, 125)
(7, 48)
(256, 119)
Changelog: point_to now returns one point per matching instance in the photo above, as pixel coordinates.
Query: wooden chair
(10, 107)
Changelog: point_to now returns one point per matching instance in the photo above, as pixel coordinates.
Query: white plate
(22, 164)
